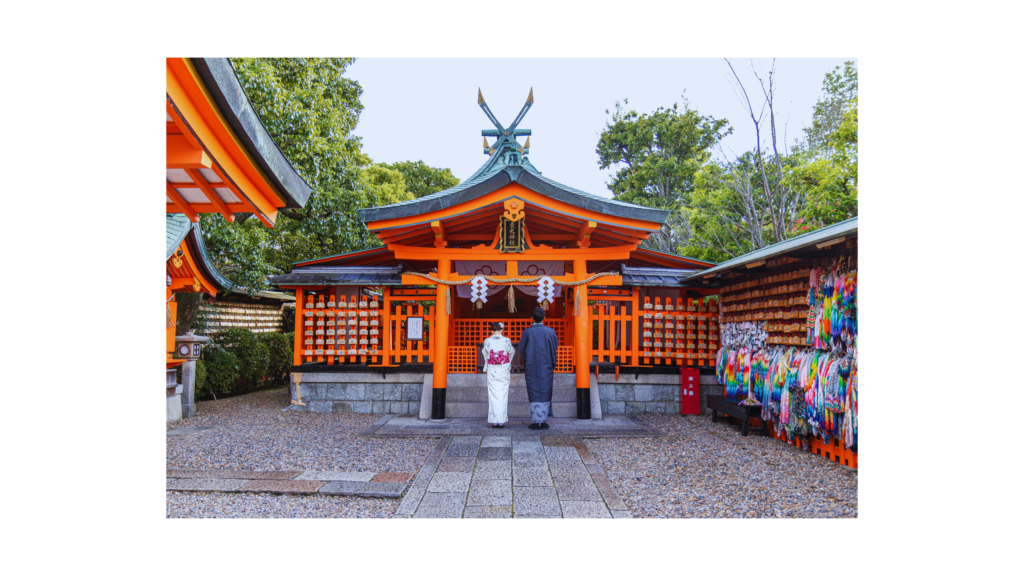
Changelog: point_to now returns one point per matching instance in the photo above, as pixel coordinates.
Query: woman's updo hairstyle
(497, 326)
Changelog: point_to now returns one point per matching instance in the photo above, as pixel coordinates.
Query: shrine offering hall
(398, 329)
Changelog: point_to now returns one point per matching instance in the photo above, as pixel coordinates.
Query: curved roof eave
(220, 80)
(206, 262)
(177, 227)
(485, 183)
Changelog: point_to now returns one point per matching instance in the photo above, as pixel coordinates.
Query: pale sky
(426, 109)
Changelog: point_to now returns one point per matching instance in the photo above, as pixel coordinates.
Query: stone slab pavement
(609, 427)
(513, 475)
(323, 482)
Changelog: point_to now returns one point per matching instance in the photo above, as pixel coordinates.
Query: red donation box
(689, 391)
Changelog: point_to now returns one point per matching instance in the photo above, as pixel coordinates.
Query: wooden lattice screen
(565, 359)
(470, 332)
(462, 360)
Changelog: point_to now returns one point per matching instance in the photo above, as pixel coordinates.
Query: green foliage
(421, 180)
(253, 356)
(839, 95)
(825, 166)
(222, 369)
(310, 109)
(200, 376)
(658, 156)
(279, 348)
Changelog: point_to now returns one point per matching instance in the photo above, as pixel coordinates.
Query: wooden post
(439, 342)
(299, 329)
(583, 331)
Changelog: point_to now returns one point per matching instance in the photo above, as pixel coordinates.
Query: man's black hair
(538, 314)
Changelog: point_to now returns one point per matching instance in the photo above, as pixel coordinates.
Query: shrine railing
(401, 350)
(614, 334)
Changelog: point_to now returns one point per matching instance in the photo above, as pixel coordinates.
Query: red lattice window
(462, 360)
(565, 359)
(470, 332)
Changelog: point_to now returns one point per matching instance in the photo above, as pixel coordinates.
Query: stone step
(515, 409)
(561, 380)
(516, 394)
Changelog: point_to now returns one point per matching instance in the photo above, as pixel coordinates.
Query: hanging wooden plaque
(511, 239)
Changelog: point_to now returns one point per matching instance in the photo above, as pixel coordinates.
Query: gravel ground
(224, 505)
(705, 470)
(251, 432)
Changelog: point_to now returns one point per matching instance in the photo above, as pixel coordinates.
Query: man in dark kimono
(538, 347)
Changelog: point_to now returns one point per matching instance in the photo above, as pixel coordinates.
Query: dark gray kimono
(538, 347)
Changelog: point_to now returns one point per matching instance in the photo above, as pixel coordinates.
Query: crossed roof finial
(506, 137)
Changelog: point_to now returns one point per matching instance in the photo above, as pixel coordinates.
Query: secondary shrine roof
(220, 157)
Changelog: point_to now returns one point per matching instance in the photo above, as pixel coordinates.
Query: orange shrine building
(391, 329)
(220, 159)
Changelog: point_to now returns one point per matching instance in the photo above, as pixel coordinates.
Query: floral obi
(499, 357)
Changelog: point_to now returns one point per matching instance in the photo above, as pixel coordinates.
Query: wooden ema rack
(779, 299)
(674, 334)
(341, 332)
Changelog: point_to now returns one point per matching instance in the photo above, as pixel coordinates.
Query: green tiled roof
(493, 175)
(177, 228)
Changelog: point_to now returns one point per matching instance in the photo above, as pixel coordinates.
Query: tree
(746, 203)
(658, 156)
(839, 95)
(825, 163)
(421, 180)
(310, 109)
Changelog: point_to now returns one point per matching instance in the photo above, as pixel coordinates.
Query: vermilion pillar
(300, 336)
(583, 337)
(439, 340)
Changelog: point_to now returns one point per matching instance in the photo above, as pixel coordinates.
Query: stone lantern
(189, 346)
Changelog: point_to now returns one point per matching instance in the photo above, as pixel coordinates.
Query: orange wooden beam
(211, 194)
(546, 254)
(245, 199)
(208, 208)
(181, 154)
(181, 203)
(584, 233)
(203, 118)
(182, 127)
(439, 235)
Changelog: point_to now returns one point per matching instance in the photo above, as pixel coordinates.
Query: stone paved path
(324, 482)
(513, 475)
(411, 427)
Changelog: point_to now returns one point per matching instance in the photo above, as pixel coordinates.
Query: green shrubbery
(235, 360)
(279, 352)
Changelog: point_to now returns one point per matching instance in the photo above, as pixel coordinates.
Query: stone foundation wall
(648, 393)
(371, 393)
(361, 393)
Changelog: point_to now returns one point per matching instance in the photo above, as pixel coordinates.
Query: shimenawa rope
(511, 281)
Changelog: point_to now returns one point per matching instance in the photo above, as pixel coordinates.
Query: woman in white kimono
(498, 353)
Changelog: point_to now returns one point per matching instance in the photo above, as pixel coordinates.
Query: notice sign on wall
(414, 328)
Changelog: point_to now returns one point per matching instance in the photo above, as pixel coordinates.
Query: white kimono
(498, 378)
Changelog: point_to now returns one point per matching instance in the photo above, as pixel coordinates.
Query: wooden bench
(732, 408)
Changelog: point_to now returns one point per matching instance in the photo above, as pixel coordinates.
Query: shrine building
(220, 159)
(398, 328)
